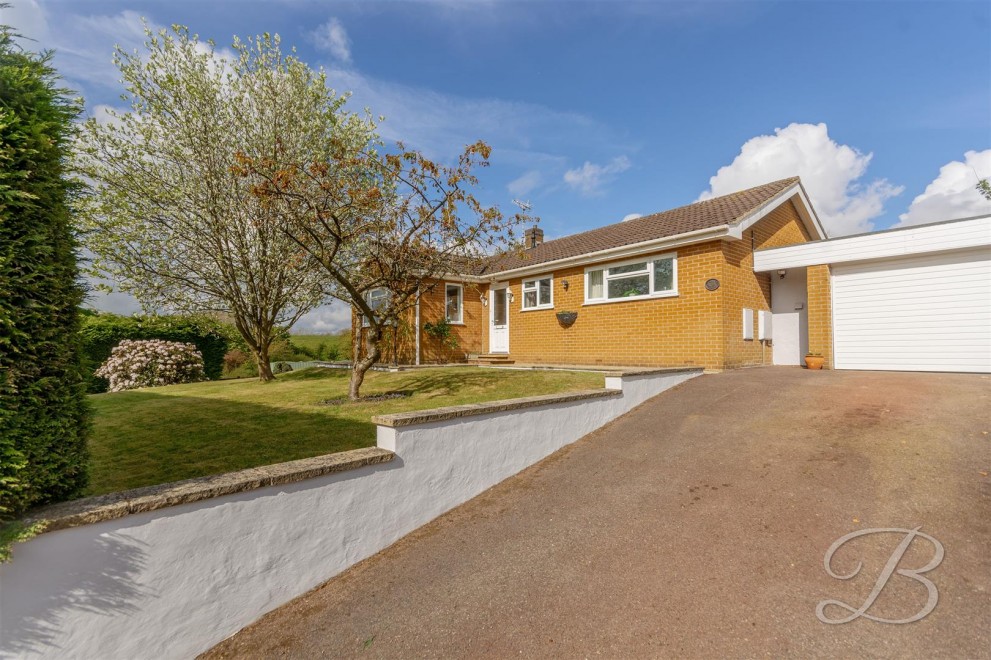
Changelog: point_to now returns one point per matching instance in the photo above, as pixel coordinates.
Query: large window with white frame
(454, 297)
(632, 280)
(538, 293)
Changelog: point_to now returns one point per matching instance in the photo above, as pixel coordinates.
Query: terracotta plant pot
(814, 361)
(567, 318)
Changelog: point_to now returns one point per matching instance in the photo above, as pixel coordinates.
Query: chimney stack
(533, 237)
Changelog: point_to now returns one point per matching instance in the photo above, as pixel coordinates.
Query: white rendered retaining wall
(173, 581)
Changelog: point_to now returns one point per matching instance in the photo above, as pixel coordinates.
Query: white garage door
(921, 313)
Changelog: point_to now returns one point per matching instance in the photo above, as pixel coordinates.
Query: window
(453, 298)
(538, 294)
(377, 299)
(634, 279)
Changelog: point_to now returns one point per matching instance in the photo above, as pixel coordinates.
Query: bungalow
(676, 288)
(745, 279)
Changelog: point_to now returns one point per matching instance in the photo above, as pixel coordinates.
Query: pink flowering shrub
(151, 363)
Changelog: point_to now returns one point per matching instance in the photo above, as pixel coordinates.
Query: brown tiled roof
(725, 210)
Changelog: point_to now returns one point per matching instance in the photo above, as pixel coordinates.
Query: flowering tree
(151, 363)
(167, 217)
(394, 222)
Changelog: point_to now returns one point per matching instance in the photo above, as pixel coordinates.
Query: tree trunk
(360, 366)
(265, 374)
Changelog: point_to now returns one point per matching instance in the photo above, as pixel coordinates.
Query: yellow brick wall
(400, 347)
(820, 313)
(680, 331)
(745, 289)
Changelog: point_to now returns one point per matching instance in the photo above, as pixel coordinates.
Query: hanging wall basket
(567, 318)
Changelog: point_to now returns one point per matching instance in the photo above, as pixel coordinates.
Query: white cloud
(525, 184)
(329, 318)
(952, 194)
(333, 38)
(830, 172)
(632, 216)
(28, 19)
(522, 134)
(589, 179)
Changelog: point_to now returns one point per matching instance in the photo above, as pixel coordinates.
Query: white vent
(748, 324)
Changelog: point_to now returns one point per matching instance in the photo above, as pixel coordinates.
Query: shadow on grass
(143, 438)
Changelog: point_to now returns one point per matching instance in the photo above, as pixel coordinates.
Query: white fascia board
(645, 247)
(804, 208)
(904, 241)
(462, 278)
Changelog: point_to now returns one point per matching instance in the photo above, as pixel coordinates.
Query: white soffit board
(921, 313)
(945, 236)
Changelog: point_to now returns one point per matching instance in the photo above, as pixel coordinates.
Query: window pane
(595, 285)
(499, 307)
(529, 285)
(454, 304)
(664, 275)
(545, 292)
(632, 268)
(629, 286)
(529, 299)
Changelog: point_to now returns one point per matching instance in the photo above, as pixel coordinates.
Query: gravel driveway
(695, 526)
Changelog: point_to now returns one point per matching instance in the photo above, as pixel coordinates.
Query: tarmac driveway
(695, 526)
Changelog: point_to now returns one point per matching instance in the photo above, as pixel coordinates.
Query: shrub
(282, 368)
(442, 332)
(151, 363)
(43, 409)
(234, 360)
(102, 331)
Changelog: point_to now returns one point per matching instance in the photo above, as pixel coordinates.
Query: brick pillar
(820, 313)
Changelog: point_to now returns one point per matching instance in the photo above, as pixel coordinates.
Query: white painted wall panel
(922, 313)
(957, 235)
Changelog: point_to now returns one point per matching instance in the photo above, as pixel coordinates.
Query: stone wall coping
(651, 371)
(472, 409)
(149, 498)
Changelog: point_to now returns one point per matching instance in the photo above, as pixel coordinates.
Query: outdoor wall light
(485, 301)
(565, 284)
(510, 295)
(781, 273)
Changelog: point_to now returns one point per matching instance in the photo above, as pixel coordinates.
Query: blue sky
(601, 110)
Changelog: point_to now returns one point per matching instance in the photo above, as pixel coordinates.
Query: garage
(920, 313)
(907, 299)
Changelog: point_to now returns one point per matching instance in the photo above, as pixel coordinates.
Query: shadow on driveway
(694, 526)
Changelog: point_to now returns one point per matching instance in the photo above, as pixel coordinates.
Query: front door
(790, 318)
(499, 316)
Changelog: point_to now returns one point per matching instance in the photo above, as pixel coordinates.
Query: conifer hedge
(43, 411)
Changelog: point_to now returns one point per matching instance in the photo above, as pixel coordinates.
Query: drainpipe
(417, 326)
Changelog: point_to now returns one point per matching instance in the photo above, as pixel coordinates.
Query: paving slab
(695, 527)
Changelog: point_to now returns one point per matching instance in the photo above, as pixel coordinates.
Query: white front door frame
(789, 317)
(499, 334)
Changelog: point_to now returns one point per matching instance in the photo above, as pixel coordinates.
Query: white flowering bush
(151, 363)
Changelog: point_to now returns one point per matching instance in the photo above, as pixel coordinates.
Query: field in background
(155, 435)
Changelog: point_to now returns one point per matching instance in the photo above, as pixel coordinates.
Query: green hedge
(100, 332)
(44, 417)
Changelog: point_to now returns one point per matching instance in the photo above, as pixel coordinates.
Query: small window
(638, 279)
(377, 299)
(454, 297)
(538, 294)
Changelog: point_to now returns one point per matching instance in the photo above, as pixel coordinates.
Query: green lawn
(162, 434)
(321, 346)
